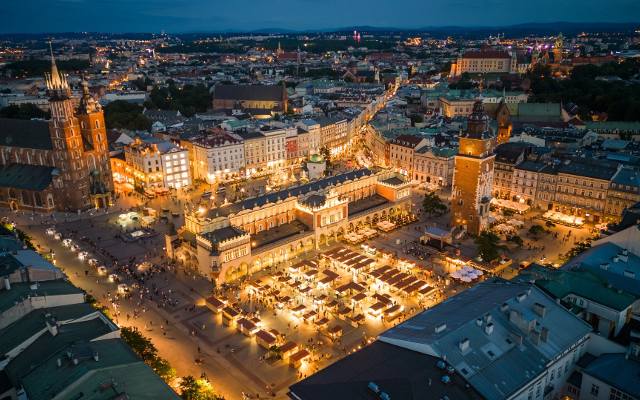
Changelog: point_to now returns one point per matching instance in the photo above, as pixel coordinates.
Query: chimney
(440, 328)
(544, 334)
(488, 318)
(488, 328)
(96, 357)
(75, 361)
(464, 345)
(7, 284)
(521, 297)
(59, 362)
(479, 321)
(535, 337)
(604, 266)
(623, 256)
(539, 309)
(516, 338)
(504, 307)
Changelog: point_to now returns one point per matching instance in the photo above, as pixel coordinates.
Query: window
(615, 394)
(595, 389)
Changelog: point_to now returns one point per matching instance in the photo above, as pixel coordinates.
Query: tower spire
(56, 82)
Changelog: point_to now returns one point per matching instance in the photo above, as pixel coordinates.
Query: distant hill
(533, 28)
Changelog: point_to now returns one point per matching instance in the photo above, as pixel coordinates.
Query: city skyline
(205, 16)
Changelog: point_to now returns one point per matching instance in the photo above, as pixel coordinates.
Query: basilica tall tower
(473, 174)
(67, 141)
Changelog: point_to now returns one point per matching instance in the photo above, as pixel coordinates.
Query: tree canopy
(432, 204)
(188, 99)
(488, 247)
(124, 115)
(145, 349)
(619, 99)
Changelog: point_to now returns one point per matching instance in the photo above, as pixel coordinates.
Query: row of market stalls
(564, 219)
(252, 327)
(360, 236)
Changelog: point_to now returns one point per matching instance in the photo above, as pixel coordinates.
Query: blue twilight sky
(35, 16)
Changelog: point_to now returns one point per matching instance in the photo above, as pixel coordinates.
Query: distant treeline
(287, 44)
(39, 67)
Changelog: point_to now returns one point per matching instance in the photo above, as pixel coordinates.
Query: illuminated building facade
(62, 164)
(485, 61)
(473, 175)
(217, 156)
(233, 240)
(158, 164)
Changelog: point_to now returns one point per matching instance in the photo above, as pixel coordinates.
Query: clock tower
(473, 174)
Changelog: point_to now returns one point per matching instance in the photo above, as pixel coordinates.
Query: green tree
(140, 344)
(326, 154)
(432, 204)
(536, 230)
(188, 388)
(517, 240)
(121, 114)
(197, 389)
(488, 247)
(188, 99)
(23, 111)
(145, 349)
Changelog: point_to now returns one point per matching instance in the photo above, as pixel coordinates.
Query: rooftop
(604, 260)
(491, 360)
(617, 371)
(24, 176)
(401, 373)
(116, 372)
(283, 194)
(30, 134)
(20, 291)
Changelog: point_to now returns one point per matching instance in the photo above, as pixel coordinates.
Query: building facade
(217, 156)
(231, 241)
(158, 164)
(485, 61)
(62, 164)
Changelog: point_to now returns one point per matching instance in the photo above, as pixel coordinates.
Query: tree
(488, 247)
(432, 204)
(536, 230)
(578, 248)
(517, 240)
(140, 344)
(145, 349)
(124, 115)
(188, 387)
(326, 154)
(197, 389)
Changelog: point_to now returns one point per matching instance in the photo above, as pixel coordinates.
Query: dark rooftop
(23, 176)
(249, 92)
(320, 184)
(401, 373)
(277, 233)
(358, 206)
(31, 134)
